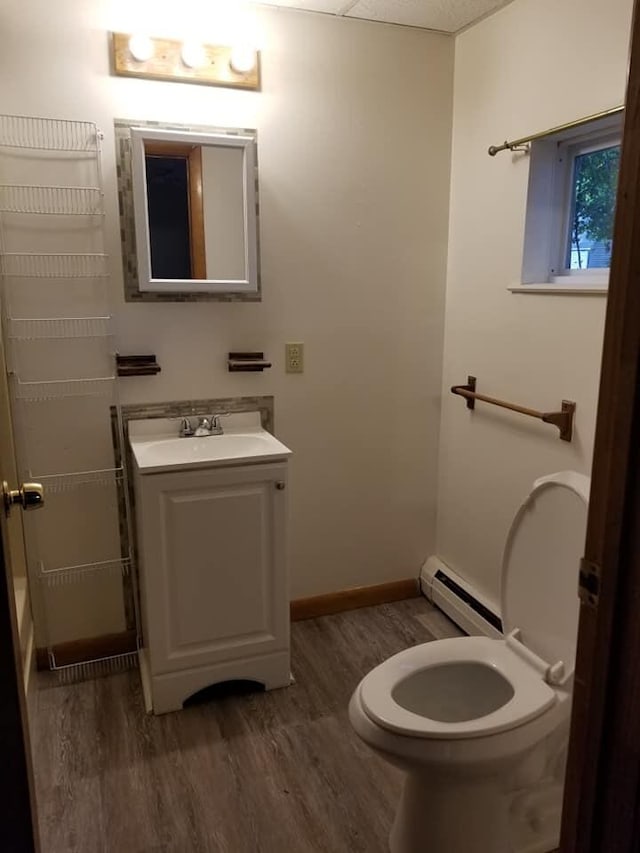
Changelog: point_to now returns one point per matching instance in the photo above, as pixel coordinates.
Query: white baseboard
(470, 610)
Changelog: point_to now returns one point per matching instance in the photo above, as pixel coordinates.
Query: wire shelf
(48, 134)
(61, 327)
(55, 389)
(71, 574)
(51, 178)
(19, 265)
(69, 201)
(96, 668)
(59, 483)
(55, 298)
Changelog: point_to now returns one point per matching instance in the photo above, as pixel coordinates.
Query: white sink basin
(244, 441)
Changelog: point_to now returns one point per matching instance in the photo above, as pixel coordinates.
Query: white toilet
(480, 726)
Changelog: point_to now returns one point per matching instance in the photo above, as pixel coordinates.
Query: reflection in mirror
(174, 206)
(194, 206)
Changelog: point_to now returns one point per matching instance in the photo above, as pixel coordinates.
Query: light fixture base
(167, 63)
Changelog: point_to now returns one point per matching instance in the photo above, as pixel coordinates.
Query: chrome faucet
(206, 426)
(203, 428)
(209, 426)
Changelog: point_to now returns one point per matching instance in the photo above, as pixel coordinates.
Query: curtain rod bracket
(520, 147)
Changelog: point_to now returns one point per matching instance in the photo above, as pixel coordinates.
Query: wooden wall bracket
(137, 365)
(470, 386)
(247, 362)
(563, 419)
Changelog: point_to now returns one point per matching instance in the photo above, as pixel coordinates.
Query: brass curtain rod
(562, 419)
(518, 143)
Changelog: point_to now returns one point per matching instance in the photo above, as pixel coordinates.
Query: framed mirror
(193, 195)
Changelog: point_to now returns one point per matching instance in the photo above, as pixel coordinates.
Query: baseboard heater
(455, 597)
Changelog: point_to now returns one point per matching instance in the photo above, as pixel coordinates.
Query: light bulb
(193, 54)
(243, 59)
(141, 48)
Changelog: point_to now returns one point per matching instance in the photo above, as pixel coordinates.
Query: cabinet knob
(280, 486)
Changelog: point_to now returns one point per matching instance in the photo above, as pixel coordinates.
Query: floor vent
(458, 600)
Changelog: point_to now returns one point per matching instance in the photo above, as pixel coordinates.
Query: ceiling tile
(446, 15)
(333, 7)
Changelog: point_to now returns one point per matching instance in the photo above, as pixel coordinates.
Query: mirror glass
(195, 210)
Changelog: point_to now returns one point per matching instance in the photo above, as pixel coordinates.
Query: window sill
(562, 290)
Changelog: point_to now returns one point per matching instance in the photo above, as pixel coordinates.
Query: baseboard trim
(92, 648)
(352, 599)
(88, 649)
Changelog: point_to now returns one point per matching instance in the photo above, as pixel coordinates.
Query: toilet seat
(531, 695)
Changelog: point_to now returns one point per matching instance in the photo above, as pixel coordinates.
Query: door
(15, 529)
(602, 791)
(19, 825)
(214, 584)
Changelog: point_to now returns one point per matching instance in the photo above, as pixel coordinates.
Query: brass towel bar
(519, 144)
(562, 419)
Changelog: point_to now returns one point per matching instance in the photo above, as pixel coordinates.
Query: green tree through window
(595, 182)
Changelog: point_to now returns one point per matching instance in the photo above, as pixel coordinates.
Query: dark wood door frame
(602, 791)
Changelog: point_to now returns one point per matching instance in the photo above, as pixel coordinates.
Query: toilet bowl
(480, 726)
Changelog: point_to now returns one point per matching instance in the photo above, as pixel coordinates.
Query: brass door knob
(28, 496)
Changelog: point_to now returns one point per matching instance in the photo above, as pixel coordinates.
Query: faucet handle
(216, 426)
(186, 430)
(215, 419)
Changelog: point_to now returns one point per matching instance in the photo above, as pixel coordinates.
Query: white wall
(354, 140)
(223, 211)
(533, 65)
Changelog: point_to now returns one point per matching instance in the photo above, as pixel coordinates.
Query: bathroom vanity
(211, 533)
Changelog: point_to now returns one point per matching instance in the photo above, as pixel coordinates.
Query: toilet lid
(541, 565)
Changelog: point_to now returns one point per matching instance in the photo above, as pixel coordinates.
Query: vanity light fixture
(243, 59)
(193, 54)
(184, 62)
(141, 47)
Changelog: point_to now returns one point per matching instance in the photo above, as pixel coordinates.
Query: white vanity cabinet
(213, 576)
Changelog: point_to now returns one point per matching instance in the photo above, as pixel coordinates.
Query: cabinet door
(214, 575)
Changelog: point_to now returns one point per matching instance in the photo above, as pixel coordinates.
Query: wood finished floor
(277, 772)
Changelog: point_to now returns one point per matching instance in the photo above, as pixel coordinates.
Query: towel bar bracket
(470, 386)
(562, 419)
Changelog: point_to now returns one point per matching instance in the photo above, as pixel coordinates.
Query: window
(571, 207)
(591, 171)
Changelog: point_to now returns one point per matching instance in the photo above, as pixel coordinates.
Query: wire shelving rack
(81, 538)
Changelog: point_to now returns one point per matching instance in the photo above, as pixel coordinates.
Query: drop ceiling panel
(445, 15)
(332, 7)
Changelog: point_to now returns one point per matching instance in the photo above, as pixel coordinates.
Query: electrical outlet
(294, 354)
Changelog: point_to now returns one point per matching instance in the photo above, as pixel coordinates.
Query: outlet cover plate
(294, 357)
